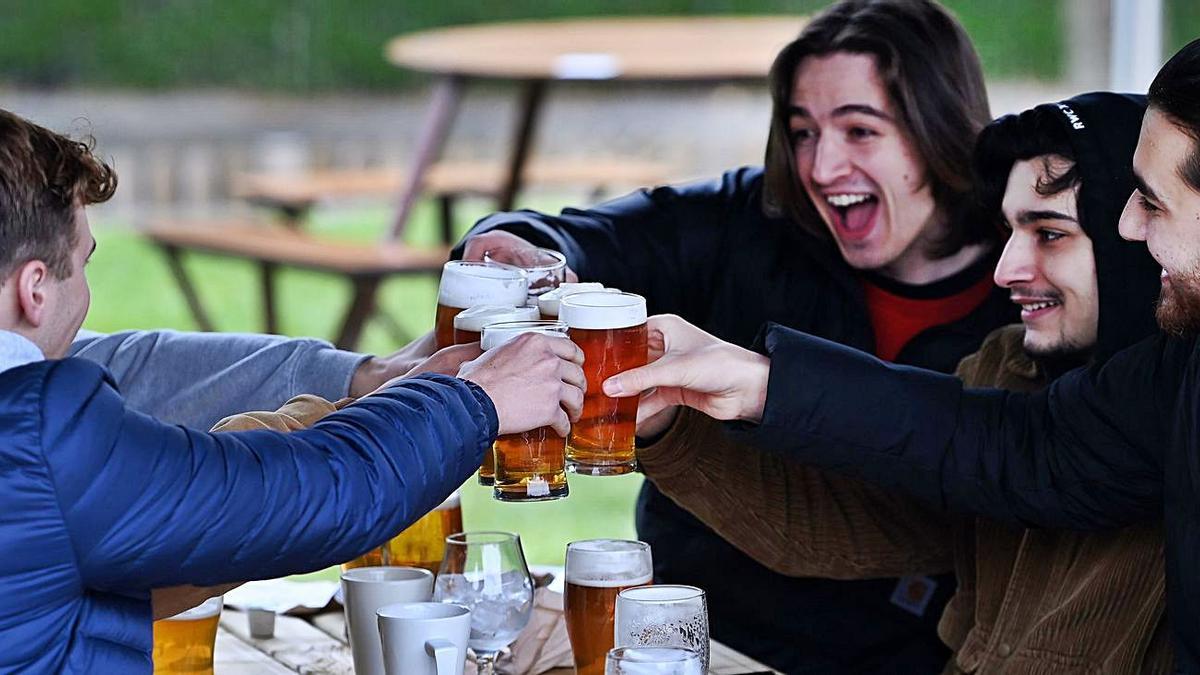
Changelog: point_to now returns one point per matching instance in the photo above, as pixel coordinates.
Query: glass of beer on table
(544, 267)
(423, 544)
(596, 571)
(184, 643)
(466, 284)
(610, 328)
(529, 466)
(548, 302)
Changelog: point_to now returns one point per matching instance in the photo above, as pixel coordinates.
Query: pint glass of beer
(423, 544)
(596, 570)
(466, 284)
(468, 325)
(530, 466)
(184, 643)
(545, 268)
(610, 328)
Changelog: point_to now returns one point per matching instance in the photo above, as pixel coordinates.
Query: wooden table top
(659, 49)
(319, 646)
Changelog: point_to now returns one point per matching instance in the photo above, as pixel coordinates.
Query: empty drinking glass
(546, 268)
(486, 572)
(653, 661)
(663, 616)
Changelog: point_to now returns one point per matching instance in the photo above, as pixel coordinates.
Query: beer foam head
(604, 563)
(466, 284)
(475, 318)
(496, 334)
(548, 301)
(599, 311)
(208, 608)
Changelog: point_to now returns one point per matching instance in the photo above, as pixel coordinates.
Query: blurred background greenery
(322, 45)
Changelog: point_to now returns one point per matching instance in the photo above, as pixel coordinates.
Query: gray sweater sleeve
(196, 379)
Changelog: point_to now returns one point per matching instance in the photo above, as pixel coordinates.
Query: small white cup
(364, 591)
(424, 638)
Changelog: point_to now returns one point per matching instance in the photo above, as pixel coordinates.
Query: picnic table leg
(447, 95)
(446, 202)
(532, 94)
(361, 308)
(270, 321)
(185, 285)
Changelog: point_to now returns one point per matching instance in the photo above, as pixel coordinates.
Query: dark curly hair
(44, 178)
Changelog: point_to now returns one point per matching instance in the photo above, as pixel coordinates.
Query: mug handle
(444, 654)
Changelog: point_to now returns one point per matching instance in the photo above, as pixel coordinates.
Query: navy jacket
(707, 252)
(1102, 447)
(100, 504)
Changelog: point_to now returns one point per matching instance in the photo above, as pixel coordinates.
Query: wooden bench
(365, 266)
(274, 246)
(293, 195)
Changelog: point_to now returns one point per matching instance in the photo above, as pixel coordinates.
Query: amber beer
(424, 542)
(184, 643)
(530, 466)
(610, 328)
(468, 327)
(469, 323)
(596, 570)
(548, 302)
(466, 284)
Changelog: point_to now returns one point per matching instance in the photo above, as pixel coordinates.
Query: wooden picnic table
(533, 54)
(319, 647)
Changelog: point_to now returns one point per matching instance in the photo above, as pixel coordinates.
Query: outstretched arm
(1086, 453)
(157, 505)
(793, 518)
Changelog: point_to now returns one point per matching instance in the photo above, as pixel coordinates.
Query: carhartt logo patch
(913, 593)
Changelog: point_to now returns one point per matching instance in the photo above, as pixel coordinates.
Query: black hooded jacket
(1104, 446)
(707, 252)
(1103, 131)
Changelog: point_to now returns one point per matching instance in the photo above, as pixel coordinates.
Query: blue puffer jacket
(99, 504)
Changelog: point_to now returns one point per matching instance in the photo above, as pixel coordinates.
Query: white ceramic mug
(364, 591)
(424, 638)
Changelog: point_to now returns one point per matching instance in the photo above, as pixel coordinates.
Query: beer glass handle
(444, 653)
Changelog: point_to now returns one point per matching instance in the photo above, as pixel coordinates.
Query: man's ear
(32, 286)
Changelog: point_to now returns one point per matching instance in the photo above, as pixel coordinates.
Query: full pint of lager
(424, 542)
(530, 466)
(548, 302)
(596, 570)
(610, 328)
(466, 284)
(184, 643)
(468, 325)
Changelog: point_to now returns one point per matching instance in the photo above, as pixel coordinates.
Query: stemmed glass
(486, 572)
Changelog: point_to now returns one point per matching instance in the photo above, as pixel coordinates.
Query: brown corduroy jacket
(1028, 601)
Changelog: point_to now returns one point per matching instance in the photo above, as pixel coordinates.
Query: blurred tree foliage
(323, 45)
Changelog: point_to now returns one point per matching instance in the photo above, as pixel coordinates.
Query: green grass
(322, 45)
(132, 288)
